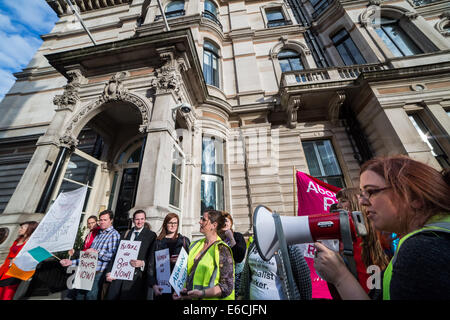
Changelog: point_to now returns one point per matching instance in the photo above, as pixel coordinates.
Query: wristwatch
(203, 293)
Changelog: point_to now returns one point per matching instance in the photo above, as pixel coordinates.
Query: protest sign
(58, 229)
(162, 261)
(85, 274)
(315, 197)
(179, 273)
(127, 251)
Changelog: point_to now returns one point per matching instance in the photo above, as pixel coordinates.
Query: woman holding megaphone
(409, 198)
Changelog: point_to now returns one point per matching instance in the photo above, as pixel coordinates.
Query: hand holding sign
(122, 268)
(84, 277)
(179, 273)
(163, 270)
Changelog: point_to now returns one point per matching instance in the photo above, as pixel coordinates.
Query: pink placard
(314, 197)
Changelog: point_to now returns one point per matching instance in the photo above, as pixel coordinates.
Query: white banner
(162, 261)
(179, 273)
(58, 229)
(122, 269)
(84, 277)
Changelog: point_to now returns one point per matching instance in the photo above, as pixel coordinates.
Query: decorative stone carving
(411, 15)
(68, 141)
(291, 111)
(375, 2)
(369, 15)
(114, 89)
(76, 77)
(168, 78)
(444, 23)
(334, 107)
(68, 99)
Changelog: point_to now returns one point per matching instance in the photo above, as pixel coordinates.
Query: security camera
(185, 108)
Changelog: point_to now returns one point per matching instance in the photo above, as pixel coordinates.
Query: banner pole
(293, 186)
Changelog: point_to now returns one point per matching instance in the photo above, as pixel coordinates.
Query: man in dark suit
(139, 288)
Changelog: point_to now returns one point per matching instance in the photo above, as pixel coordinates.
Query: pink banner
(314, 197)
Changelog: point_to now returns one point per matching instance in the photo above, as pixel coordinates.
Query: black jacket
(138, 288)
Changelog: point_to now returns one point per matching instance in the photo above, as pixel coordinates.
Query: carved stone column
(155, 179)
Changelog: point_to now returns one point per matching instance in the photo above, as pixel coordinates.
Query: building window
(15, 154)
(212, 174)
(176, 179)
(322, 162)
(211, 64)
(175, 9)
(430, 139)
(319, 7)
(290, 61)
(347, 49)
(424, 2)
(396, 39)
(210, 12)
(275, 17)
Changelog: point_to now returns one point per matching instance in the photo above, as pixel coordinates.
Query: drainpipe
(247, 183)
(317, 51)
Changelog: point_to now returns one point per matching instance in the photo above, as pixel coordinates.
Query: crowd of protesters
(399, 198)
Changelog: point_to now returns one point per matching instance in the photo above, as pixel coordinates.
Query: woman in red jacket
(8, 285)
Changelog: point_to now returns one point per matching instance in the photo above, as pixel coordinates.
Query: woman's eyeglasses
(370, 192)
(172, 223)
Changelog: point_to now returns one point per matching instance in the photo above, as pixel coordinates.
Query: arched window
(210, 8)
(210, 12)
(211, 64)
(290, 61)
(175, 9)
(396, 39)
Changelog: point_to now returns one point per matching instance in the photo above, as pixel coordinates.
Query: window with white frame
(275, 17)
(175, 9)
(176, 181)
(430, 139)
(322, 162)
(212, 180)
(290, 60)
(347, 49)
(395, 38)
(211, 64)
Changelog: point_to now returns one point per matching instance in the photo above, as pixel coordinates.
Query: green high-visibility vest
(207, 273)
(438, 223)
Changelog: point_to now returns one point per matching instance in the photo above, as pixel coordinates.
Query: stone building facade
(220, 110)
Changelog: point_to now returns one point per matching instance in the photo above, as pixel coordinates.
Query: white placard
(127, 251)
(58, 229)
(162, 262)
(179, 273)
(85, 274)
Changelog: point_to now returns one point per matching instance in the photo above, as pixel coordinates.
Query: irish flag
(25, 264)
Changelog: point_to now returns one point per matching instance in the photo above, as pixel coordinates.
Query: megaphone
(304, 229)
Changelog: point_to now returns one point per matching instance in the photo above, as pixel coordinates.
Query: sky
(21, 24)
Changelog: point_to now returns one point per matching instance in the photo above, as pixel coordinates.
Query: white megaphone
(304, 229)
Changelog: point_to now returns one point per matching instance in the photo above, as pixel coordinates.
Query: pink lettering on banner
(314, 197)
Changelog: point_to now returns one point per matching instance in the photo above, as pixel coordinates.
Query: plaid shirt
(106, 243)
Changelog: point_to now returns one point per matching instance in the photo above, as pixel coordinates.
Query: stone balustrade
(311, 76)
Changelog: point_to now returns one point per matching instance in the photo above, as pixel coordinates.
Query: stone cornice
(61, 8)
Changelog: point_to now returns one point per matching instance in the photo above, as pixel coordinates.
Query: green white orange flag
(24, 265)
